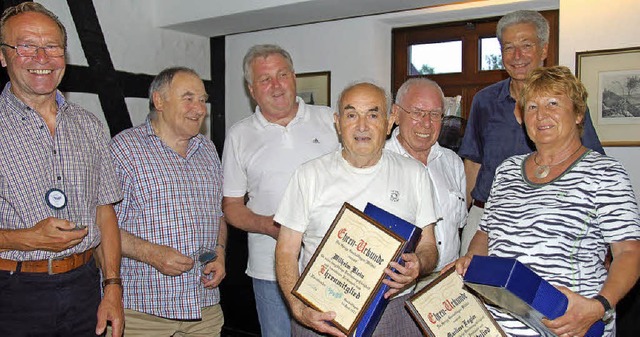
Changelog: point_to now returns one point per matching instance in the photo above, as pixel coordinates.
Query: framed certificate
(445, 308)
(348, 267)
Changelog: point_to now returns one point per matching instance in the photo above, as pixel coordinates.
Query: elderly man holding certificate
(361, 172)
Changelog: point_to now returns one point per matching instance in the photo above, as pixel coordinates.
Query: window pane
(491, 57)
(435, 58)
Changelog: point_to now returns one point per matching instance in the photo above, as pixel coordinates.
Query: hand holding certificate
(347, 269)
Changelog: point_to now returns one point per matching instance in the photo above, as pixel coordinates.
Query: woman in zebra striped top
(559, 209)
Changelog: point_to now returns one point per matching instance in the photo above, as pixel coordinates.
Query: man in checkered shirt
(173, 232)
(57, 187)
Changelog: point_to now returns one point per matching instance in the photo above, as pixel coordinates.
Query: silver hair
(162, 81)
(418, 81)
(381, 90)
(525, 16)
(262, 50)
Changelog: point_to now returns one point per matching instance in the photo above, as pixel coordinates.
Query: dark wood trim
(10, 3)
(217, 91)
(76, 80)
(471, 79)
(101, 72)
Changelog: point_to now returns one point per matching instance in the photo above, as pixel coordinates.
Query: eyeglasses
(419, 115)
(510, 49)
(29, 50)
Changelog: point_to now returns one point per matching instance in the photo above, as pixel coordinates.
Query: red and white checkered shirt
(168, 200)
(75, 160)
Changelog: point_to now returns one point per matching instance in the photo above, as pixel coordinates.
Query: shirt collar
(301, 115)
(21, 108)
(435, 153)
(194, 142)
(505, 92)
(148, 129)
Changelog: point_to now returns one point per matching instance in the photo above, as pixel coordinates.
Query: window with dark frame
(473, 59)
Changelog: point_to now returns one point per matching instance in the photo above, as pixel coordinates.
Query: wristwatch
(608, 310)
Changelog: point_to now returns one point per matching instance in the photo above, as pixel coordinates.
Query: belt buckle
(50, 266)
(50, 263)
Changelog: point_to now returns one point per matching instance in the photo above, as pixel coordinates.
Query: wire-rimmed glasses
(30, 50)
(419, 115)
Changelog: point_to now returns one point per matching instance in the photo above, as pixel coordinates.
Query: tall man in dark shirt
(494, 130)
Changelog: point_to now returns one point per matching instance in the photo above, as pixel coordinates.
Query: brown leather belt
(478, 203)
(50, 266)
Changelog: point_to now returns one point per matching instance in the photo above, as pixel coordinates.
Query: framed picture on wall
(315, 88)
(612, 79)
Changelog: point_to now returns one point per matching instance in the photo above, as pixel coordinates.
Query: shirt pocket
(456, 207)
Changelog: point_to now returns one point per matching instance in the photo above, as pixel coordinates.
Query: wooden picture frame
(347, 269)
(612, 79)
(314, 88)
(446, 308)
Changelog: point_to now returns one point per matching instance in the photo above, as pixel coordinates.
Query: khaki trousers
(143, 325)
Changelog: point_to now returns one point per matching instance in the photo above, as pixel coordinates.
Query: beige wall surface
(596, 25)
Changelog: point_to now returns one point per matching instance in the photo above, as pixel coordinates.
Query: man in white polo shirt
(261, 153)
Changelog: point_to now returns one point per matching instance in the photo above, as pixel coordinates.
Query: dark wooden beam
(77, 79)
(216, 92)
(4, 77)
(102, 74)
(10, 3)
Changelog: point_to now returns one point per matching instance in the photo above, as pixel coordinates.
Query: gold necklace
(543, 170)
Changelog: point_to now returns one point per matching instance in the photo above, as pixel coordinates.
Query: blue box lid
(509, 284)
(405, 230)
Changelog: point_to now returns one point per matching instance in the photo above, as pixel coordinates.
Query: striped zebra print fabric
(561, 229)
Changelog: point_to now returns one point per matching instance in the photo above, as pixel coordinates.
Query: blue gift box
(512, 286)
(407, 231)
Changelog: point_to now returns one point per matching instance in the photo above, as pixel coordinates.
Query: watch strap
(112, 280)
(608, 309)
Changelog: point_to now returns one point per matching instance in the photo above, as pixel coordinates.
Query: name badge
(56, 198)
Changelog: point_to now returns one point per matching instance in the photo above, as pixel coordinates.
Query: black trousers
(34, 304)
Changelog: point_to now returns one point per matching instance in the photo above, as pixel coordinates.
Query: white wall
(135, 45)
(324, 46)
(595, 25)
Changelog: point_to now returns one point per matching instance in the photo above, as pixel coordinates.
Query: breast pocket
(456, 207)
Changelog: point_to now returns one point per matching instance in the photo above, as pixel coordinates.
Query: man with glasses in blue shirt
(494, 131)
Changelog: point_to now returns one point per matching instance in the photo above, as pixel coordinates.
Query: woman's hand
(461, 265)
(581, 313)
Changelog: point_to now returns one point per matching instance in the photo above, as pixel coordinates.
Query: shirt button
(439, 242)
(59, 178)
(55, 152)
(41, 127)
